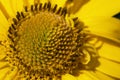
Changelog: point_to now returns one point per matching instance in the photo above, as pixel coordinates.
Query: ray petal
(109, 67)
(44, 1)
(12, 74)
(68, 77)
(99, 8)
(74, 6)
(110, 51)
(6, 8)
(60, 3)
(3, 65)
(4, 25)
(28, 3)
(3, 21)
(16, 5)
(108, 28)
(4, 73)
(102, 76)
(2, 56)
(86, 75)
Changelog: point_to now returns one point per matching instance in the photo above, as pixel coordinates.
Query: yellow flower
(27, 37)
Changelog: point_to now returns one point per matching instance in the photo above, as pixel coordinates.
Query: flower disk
(44, 45)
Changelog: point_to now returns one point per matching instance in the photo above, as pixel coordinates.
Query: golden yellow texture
(96, 14)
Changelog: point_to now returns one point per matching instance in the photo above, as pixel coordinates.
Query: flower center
(43, 44)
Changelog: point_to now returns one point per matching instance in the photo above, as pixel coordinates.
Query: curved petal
(99, 8)
(108, 28)
(109, 67)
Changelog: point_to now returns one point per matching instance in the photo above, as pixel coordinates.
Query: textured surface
(44, 45)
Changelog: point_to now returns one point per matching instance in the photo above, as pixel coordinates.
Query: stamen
(45, 6)
(13, 26)
(15, 21)
(59, 10)
(36, 7)
(22, 14)
(26, 9)
(32, 8)
(54, 9)
(12, 46)
(10, 30)
(49, 6)
(18, 16)
(11, 38)
(40, 6)
(64, 12)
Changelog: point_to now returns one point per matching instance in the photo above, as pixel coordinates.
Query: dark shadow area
(117, 15)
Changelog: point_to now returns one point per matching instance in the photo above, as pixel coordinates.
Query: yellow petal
(16, 5)
(102, 76)
(68, 77)
(28, 2)
(108, 28)
(99, 8)
(31, 2)
(86, 75)
(60, 3)
(2, 49)
(3, 65)
(74, 6)
(110, 51)
(2, 56)
(6, 6)
(109, 67)
(44, 1)
(36, 1)
(3, 20)
(12, 75)
(3, 73)
(4, 25)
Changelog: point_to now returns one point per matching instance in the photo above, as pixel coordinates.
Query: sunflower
(59, 40)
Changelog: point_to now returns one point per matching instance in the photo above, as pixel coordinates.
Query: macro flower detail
(53, 40)
(43, 45)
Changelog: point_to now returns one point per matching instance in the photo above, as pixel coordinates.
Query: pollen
(44, 44)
